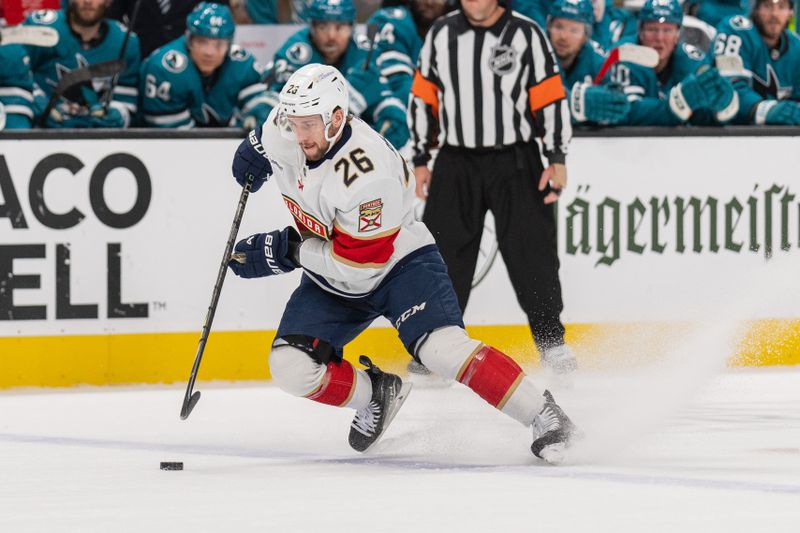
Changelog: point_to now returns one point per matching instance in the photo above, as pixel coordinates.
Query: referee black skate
(487, 85)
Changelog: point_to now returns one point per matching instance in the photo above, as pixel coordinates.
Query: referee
(487, 84)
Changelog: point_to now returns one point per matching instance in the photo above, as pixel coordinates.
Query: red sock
(338, 385)
(493, 375)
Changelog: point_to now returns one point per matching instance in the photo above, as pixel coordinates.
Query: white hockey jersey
(355, 204)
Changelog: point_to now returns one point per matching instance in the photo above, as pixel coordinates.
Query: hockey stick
(110, 93)
(32, 35)
(372, 31)
(631, 53)
(123, 48)
(192, 396)
(78, 76)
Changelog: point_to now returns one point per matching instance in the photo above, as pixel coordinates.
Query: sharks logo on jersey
(299, 53)
(693, 52)
(174, 62)
(238, 53)
(771, 86)
(44, 16)
(741, 23)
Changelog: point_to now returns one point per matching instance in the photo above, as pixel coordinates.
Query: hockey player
(401, 30)
(16, 88)
(86, 37)
(363, 256)
(611, 25)
(682, 88)
(329, 39)
(569, 27)
(769, 87)
(201, 79)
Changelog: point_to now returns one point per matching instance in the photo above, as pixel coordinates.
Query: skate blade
(398, 402)
(554, 453)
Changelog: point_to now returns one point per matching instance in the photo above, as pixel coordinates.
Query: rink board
(110, 248)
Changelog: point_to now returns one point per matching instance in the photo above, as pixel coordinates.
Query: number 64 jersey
(354, 207)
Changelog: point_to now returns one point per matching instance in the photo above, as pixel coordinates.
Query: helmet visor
(301, 128)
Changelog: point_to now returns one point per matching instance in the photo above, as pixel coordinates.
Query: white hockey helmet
(315, 89)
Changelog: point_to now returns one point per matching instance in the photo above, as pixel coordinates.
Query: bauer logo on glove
(266, 254)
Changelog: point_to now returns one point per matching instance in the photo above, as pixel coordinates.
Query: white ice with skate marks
(673, 442)
(257, 458)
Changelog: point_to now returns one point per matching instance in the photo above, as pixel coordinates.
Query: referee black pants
(464, 185)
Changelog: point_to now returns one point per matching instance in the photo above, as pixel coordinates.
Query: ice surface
(723, 458)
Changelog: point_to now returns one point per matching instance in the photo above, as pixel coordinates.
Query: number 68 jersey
(354, 207)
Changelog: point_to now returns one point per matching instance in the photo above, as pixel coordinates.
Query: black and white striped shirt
(487, 87)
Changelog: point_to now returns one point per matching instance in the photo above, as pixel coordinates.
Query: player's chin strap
(335, 135)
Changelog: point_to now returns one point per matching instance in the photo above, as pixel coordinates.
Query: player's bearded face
(331, 39)
(310, 135)
(208, 54)
(567, 37)
(660, 36)
(87, 12)
(772, 16)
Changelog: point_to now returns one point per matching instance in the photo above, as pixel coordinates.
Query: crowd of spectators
(179, 68)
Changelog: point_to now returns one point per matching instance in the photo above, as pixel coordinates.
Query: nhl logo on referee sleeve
(369, 215)
(503, 59)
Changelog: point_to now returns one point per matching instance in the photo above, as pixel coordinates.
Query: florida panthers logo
(174, 61)
(503, 60)
(369, 215)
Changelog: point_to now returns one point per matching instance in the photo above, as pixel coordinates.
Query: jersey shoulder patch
(740, 22)
(44, 16)
(693, 52)
(174, 61)
(299, 53)
(237, 53)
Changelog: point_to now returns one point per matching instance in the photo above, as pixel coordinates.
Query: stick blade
(187, 407)
(638, 54)
(32, 35)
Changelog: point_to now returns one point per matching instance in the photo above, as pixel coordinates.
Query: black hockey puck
(171, 466)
